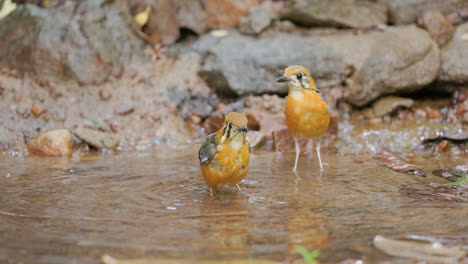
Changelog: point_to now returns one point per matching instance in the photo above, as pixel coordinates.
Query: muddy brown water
(156, 205)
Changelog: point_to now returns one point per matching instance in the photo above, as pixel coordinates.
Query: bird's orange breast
(228, 166)
(306, 113)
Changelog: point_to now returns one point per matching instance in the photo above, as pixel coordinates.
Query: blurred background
(125, 76)
(140, 73)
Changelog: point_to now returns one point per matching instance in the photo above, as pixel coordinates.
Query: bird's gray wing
(208, 149)
(321, 95)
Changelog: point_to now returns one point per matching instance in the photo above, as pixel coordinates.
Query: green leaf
(460, 181)
(309, 257)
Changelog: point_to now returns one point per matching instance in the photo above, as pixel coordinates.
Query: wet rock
(256, 139)
(337, 13)
(408, 11)
(418, 251)
(227, 13)
(97, 139)
(390, 104)
(190, 14)
(371, 64)
(455, 134)
(267, 122)
(52, 143)
(124, 108)
(258, 19)
(37, 110)
(213, 122)
(86, 40)
(439, 28)
(451, 174)
(454, 65)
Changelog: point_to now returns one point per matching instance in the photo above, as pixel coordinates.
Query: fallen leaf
(142, 18)
(397, 163)
(219, 33)
(7, 7)
(455, 193)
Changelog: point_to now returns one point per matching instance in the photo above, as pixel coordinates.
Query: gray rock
(87, 41)
(454, 65)
(370, 64)
(341, 13)
(190, 14)
(97, 139)
(258, 19)
(402, 59)
(408, 11)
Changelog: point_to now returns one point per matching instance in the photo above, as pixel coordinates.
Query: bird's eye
(230, 125)
(300, 76)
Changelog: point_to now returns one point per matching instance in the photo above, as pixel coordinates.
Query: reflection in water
(156, 205)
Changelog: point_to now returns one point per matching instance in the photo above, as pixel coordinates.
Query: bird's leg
(298, 151)
(318, 154)
(211, 192)
(238, 188)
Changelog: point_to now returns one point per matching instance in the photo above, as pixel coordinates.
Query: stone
(124, 108)
(258, 19)
(266, 122)
(190, 15)
(52, 143)
(390, 104)
(370, 64)
(454, 62)
(408, 11)
(337, 13)
(226, 13)
(96, 138)
(256, 139)
(87, 41)
(439, 28)
(37, 110)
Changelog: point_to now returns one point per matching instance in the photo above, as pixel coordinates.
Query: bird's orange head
(297, 76)
(235, 127)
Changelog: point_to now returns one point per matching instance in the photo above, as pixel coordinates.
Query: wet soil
(155, 205)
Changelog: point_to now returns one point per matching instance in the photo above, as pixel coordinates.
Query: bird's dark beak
(283, 79)
(242, 129)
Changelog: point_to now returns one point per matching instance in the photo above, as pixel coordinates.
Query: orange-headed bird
(306, 108)
(224, 157)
